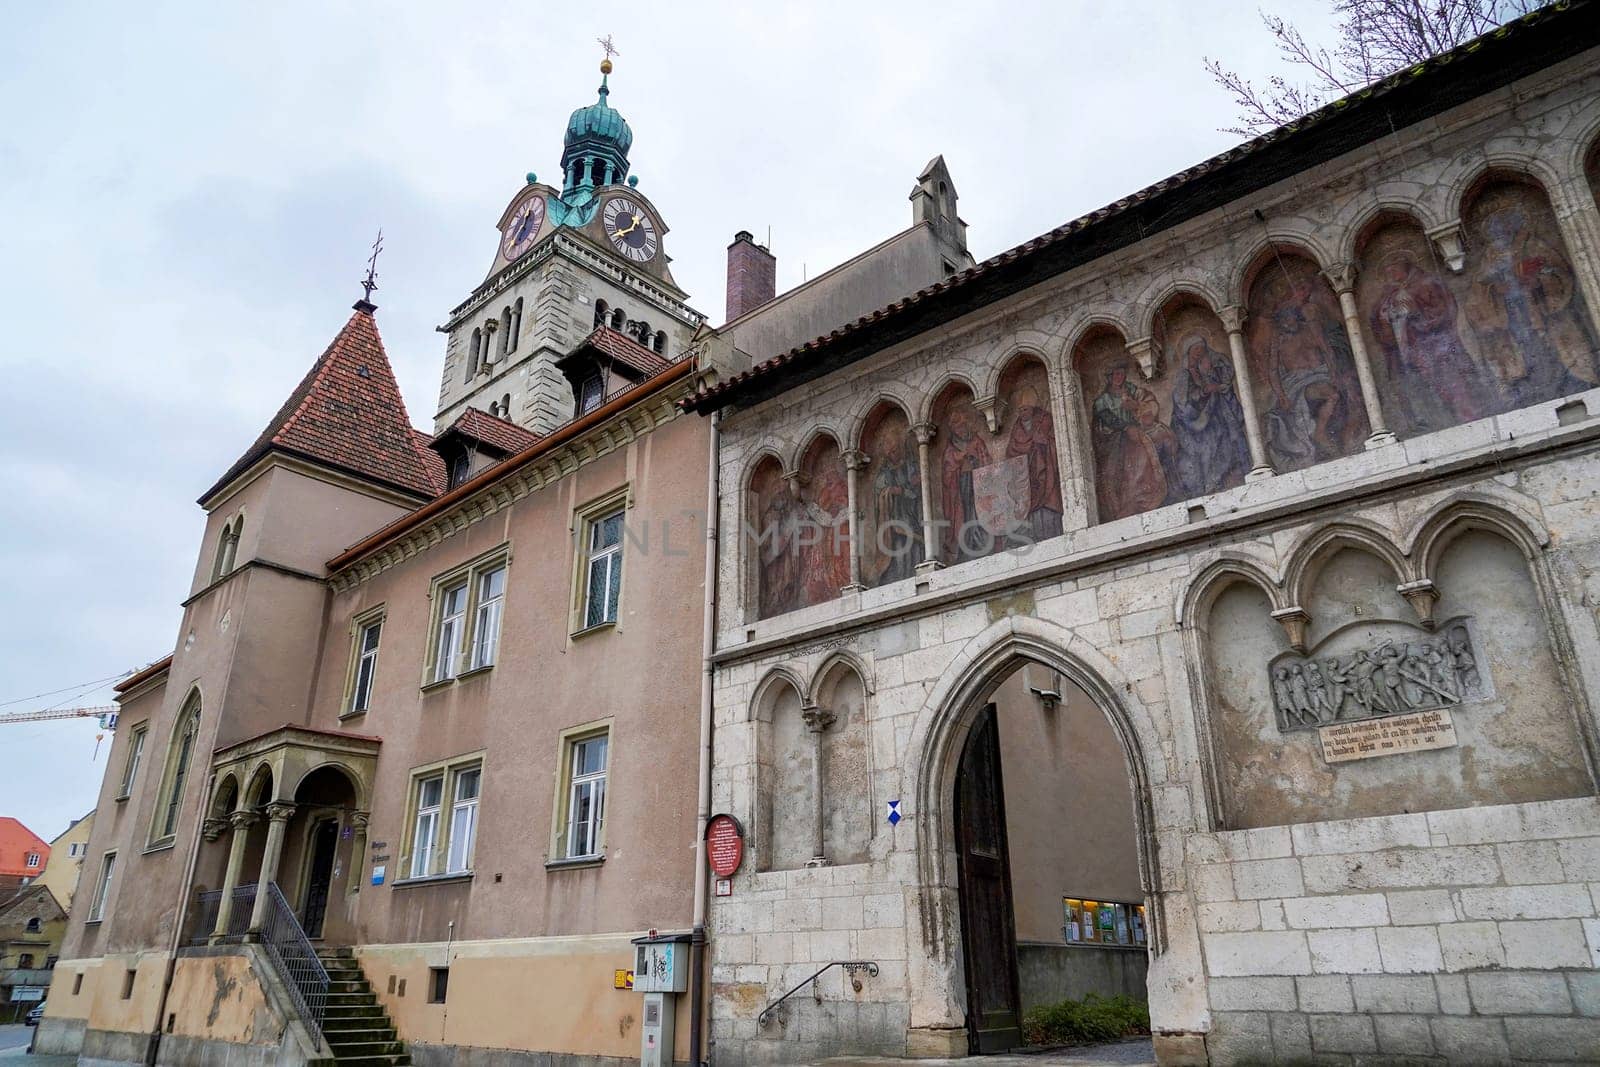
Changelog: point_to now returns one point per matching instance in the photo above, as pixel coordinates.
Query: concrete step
(348, 985)
(352, 999)
(393, 1060)
(374, 1018)
(361, 1037)
(363, 1049)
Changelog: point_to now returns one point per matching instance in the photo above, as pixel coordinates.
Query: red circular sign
(724, 844)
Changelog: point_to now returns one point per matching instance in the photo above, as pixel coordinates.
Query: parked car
(35, 1014)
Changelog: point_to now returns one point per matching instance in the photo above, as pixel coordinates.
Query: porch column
(1343, 278)
(817, 720)
(358, 848)
(241, 822)
(925, 432)
(854, 463)
(278, 815)
(1233, 321)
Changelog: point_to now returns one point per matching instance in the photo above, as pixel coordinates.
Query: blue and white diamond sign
(894, 812)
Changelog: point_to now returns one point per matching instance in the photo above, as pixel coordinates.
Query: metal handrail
(851, 967)
(205, 915)
(295, 961)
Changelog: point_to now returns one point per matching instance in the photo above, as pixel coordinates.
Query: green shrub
(1083, 1022)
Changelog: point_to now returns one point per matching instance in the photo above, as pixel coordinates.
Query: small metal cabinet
(660, 971)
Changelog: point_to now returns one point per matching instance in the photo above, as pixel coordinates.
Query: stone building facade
(1285, 467)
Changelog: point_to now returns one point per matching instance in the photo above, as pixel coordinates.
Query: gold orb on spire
(605, 66)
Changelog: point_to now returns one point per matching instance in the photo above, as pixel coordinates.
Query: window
(505, 407)
(660, 344)
(227, 548)
(474, 355)
(24, 960)
(1100, 922)
(179, 754)
(33, 925)
(463, 821)
(32, 859)
(440, 845)
(505, 331)
(586, 795)
(368, 632)
(97, 906)
(619, 319)
(486, 630)
(590, 395)
(601, 313)
(438, 984)
(469, 605)
(603, 574)
(127, 983)
(515, 331)
(77, 983)
(135, 754)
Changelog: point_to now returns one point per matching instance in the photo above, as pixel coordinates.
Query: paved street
(1135, 1053)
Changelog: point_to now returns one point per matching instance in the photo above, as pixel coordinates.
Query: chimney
(752, 275)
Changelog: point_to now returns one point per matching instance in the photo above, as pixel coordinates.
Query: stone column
(1343, 278)
(817, 720)
(1233, 321)
(241, 822)
(278, 815)
(359, 820)
(925, 432)
(854, 463)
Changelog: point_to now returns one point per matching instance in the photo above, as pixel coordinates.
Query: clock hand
(634, 225)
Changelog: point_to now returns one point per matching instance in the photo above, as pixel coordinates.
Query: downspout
(152, 1047)
(697, 943)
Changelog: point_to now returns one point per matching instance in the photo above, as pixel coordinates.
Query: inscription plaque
(1388, 736)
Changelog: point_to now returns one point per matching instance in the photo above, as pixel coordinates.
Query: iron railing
(854, 968)
(296, 961)
(205, 921)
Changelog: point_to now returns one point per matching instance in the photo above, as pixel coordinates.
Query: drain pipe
(697, 942)
(152, 1047)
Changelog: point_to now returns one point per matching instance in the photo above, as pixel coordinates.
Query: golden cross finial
(370, 282)
(605, 42)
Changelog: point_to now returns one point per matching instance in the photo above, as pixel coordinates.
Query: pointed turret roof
(346, 413)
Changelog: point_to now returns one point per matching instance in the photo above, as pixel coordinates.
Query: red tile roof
(347, 413)
(16, 841)
(624, 350)
(498, 433)
(437, 472)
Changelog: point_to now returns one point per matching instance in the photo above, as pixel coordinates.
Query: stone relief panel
(1488, 665)
(1307, 392)
(1524, 302)
(890, 494)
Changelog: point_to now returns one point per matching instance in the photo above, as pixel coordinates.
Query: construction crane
(107, 715)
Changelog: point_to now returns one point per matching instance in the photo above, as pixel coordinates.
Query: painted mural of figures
(1412, 316)
(1524, 302)
(1212, 450)
(825, 552)
(1133, 449)
(1033, 436)
(892, 537)
(1299, 348)
(964, 452)
(776, 542)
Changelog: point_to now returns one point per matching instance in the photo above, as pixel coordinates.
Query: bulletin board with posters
(1103, 923)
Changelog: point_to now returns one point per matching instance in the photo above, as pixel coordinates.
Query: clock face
(630, 229)
(524, 227)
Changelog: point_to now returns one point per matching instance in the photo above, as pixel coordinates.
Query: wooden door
(325, 839)
(988, 931)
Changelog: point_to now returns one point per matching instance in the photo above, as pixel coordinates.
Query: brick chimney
(752, 275)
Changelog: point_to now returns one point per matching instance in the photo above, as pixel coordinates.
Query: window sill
(356, 714)
(93, 922)
(431, 879)
(429, 687)
(576, 861)
(121, 798)
(166, 845)
(474, 672)
(599, 627)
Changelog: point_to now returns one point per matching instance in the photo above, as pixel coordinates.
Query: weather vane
(605, 42)
(370, 282)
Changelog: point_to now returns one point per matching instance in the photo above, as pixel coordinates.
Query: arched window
(219, 565)
(514, 333)
(602, 312)
(505, 406)
(505, 331)
(474, 355)
(661, 343)
(232, 557)
(494, 408)
(180, 753)
(618, 320)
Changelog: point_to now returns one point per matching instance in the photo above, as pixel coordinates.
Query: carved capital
(926, 432)
(243, 820)
(280, 811)
(1232, 318)
(360, 820)
(796, 480)
(1447, 238)
(1294, 621)
(854, 459)
(817, 719)
(1423, 597)
(213, 828)
(1342, 276)
(993, 409)
(1145, 353)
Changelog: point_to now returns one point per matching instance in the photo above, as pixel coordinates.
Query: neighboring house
(65, 865)
(31, 925)
(23, 855)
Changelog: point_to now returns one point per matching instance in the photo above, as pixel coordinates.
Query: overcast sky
(188, 195)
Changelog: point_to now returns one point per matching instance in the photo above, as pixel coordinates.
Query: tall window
(463, 821)
(515, 332)
(590, 394)
(603, 581)
(441, 844)
(179, 755)
(135, 754)
(32, 859)
(366, 664)
(586, 795)
(474, 355)
(486, 631)
(469, 603)
(97, 906)
(602, 313)
(227, 548)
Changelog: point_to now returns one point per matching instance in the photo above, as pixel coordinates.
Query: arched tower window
(505, 330)
(180, 753)
(514, 333)
(474, 355)
(618, 320)
(602, 312)
(505, 406)
(661, 343)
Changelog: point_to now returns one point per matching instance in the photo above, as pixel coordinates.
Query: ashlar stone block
(1519, 993)
(1344, 952)
(1545, 944)
(1262, 879)
(1410, 950)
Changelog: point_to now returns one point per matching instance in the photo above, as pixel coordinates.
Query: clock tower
(587, 256)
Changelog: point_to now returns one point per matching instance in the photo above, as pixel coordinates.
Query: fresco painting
(890, 494)
(1307, 393)
(961, 448)
(775, 531)
(1030, 444)
(825, 523)
(1523, 300)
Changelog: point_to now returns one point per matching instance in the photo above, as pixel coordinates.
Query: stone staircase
(356, 1027)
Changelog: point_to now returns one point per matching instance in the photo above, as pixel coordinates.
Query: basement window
(127, 984)
(438, 984)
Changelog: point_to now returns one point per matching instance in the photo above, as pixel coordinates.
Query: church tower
(587, 256)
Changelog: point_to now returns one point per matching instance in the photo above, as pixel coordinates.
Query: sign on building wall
(1388, 737)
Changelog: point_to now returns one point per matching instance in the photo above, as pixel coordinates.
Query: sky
(188, 195)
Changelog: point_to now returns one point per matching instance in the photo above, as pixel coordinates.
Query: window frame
(436, 862)
(175, 775)
(588, 402)
(102, 886)
(360, 623)
(465, 647)
(137, 739)
(584, 521)
(560, 853)
(32, 861)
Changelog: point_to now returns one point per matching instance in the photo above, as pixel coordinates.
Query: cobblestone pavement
(1136, 1053)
